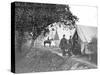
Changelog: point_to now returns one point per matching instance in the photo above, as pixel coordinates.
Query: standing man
(63, 45)
(70, 46)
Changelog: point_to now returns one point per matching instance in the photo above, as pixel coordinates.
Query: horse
(48, 41)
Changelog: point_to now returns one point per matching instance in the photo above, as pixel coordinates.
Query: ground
(50, 59)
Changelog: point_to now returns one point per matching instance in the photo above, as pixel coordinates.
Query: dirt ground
(49, 59)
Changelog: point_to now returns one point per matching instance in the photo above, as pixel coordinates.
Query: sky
(87, 14)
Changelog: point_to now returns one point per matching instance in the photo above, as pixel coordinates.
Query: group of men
(66, 46)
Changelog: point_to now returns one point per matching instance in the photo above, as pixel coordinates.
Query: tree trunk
(32, 44)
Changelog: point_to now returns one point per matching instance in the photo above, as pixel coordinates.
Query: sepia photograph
(54, 37)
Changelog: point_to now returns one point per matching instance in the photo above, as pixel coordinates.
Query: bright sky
(87, 14)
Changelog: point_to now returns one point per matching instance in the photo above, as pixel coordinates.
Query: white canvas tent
(86, 33)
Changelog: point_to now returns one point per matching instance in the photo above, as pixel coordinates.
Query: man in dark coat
(70, 46)
(63, 45)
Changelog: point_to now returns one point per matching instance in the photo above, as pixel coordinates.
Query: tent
(85, 35)
(56, 39)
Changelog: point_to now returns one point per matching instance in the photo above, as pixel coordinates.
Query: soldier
(70, 46)
(63, 45)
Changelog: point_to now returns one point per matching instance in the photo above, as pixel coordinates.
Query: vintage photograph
(55, 37)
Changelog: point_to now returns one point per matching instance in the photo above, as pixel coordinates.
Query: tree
(36, 17)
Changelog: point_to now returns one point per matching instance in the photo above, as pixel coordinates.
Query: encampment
(85, 34)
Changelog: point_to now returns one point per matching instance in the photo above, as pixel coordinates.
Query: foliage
(36, 17)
